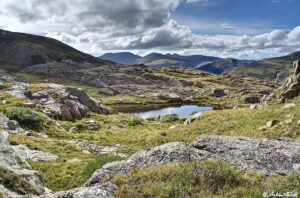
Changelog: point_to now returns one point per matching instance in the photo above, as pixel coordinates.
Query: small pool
(182, 111)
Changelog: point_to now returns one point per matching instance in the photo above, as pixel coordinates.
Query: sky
(243, 29)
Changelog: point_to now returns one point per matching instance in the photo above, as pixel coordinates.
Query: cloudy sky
(246, 29)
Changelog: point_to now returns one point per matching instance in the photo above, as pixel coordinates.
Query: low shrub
(27, 118)
(135, 122)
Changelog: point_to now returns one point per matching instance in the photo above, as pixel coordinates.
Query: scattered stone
(34, 155)
(252, 99)
(173, 97)
(174, 126)
(93, 125)
(29, 133)
(272, 123)
(115, 127)
(263, 128)
(12, 125)
(298, 123)
(4, 101)
(218, 92)
(74, 130)
(74, 160)
(254, 106)
(86, 152)
(289, 121)
(289, 106)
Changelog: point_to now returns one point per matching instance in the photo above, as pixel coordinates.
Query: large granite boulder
(264, 155)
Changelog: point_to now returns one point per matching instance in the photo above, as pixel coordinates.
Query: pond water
(182, 111)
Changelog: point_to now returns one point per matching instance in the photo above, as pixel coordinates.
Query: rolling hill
(267, 68)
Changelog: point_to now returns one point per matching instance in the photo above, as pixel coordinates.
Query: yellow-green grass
(202, 179)
(62, 175)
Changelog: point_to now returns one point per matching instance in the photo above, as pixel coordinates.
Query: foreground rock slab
(99, 191)
(265, 155)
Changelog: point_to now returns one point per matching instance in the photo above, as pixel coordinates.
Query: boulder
(34, 155)
(12, 125)
(266, 155)
(105, 190)
(74, 130)
(251, 99)
(218, 92)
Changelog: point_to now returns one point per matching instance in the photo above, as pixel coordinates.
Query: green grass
(15, 183)
(202, 179)
(60, 175)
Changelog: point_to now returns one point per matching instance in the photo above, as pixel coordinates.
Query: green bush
(27, 118)
(135, 122)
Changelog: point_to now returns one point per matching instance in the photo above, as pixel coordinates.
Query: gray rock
(272, 123)
(171, 152)
(106, 190)
(252, 99)
(218, 92)
(266, 155)
(12, 125)
(34, 155)
(74, 130)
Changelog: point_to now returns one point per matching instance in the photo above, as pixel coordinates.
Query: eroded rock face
(266, 155)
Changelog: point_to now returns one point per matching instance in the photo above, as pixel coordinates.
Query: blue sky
(244, 29)
(239, 16)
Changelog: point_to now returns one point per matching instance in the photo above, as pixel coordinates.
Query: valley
(68, 127)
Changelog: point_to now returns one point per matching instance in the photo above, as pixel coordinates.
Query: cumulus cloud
(95, 26)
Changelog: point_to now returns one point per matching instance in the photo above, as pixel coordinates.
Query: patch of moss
(15, 183)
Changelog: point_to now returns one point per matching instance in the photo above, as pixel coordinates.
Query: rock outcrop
(10, 160)
(289, 89)
(67, 103)
(105, 190)
(266, 155)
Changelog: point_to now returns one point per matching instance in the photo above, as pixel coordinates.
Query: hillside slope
(268, 68)
(125, 58)
(19, 50)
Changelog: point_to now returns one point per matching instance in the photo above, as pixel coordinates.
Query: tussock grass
(202, 179)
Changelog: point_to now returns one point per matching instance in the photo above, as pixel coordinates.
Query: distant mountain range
(155, 60)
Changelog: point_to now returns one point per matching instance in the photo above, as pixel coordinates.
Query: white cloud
(95, 26)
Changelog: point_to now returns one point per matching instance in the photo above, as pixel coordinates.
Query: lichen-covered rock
(34, 155)
(98, 191)
(266, 155)
(167, 153)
